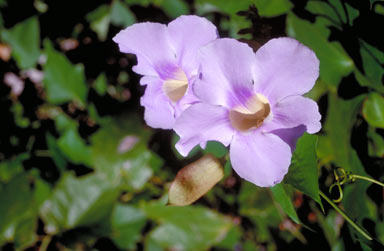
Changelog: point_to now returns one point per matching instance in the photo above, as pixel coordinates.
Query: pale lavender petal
(294, 111)
(285, 67)
(290, 135)
(201, 123)
(158, 111)
(260, 158)
(150, 43)
(187, 34)
(226, 73)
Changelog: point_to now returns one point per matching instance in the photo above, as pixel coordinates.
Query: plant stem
(367, 179)
(45, 243)
(346, 217)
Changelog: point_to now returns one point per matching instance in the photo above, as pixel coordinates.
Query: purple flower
(253, 103)
(166, 56)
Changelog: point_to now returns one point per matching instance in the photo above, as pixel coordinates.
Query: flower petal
(158, 113)
(150, 43)
(201, 123)
(285, 67)
(260, 158)
(294, 111)
(187, 34)
(226, 73)
(290, 135)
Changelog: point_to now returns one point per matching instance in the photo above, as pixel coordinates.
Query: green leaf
(186, 228)
(257, 204)
(63, 81)
(99, 20)
(338, 127)
(334, 61)
(100, 84)
(74, 148)
(373, 110)
(119, 150)
(356, 202)
(231, 240)
(17, 209)
(121, 14)
(303, 174)
(12, 167)
(324, 10)
(280, 194)
(56, 154)
(83, 201)
(373, 61)
(216, 148)
(231, 8)
(127, 223)
(24, 39)
(272, 8)
(345, 12)
(175, 8)
(375, 143)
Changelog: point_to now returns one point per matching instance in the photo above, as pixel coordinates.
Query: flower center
(176, 86)
(251, 115)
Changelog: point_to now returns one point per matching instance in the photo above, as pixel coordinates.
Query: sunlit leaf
(280, 194)
(24, 39)
(373, 110)
(63, 81)
(303, 174)
(186, 228)
(194, 180)
(126, 224)
(79, 201)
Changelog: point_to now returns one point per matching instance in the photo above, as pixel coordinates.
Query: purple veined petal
(225, 73)
(294, 111)
(260, 158)
(150, 43)
(158, 112)
(201, 123)
(285, 67)
(290, 135)
(187, 34)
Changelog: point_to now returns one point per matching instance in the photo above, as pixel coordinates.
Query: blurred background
(80, 170)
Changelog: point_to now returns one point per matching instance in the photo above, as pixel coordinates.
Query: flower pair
(212, 89)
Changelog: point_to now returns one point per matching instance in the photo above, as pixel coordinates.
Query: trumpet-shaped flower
(166, 56)
(253, 103)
